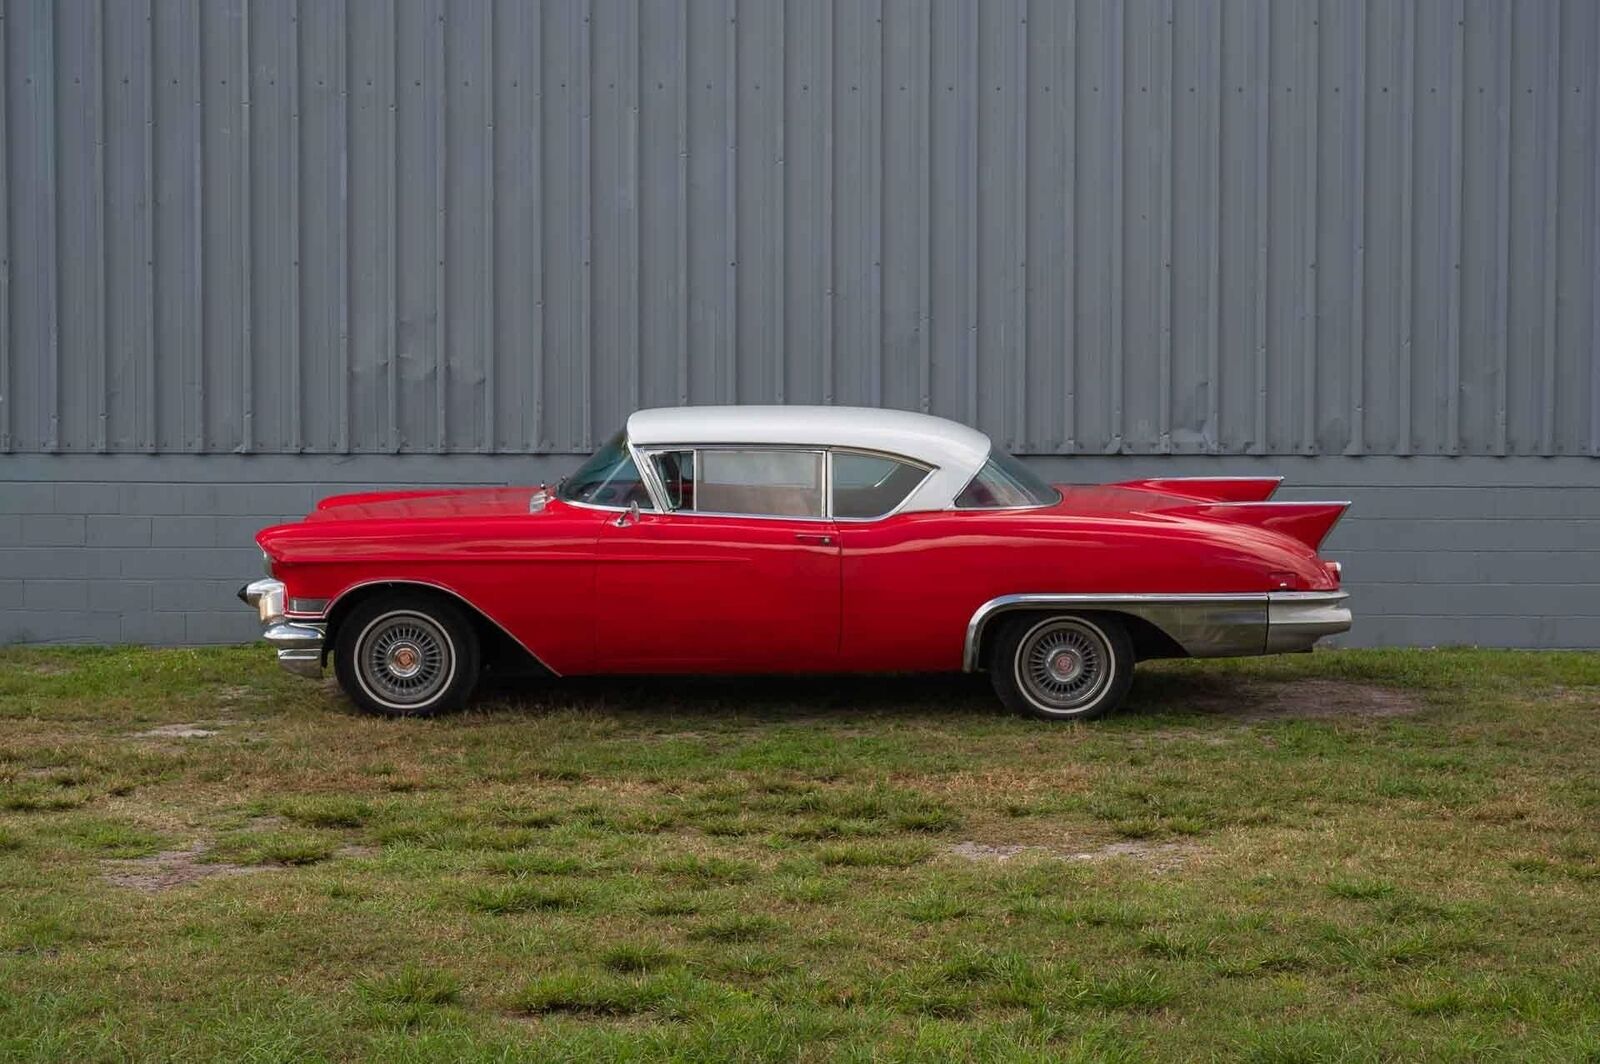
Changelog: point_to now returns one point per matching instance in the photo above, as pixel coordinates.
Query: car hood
(459, 502)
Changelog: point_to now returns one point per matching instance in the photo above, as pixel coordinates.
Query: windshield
(1004, 482)
(608, 478)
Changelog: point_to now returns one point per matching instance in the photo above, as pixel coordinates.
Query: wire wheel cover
(405, 659)
(1064, 664)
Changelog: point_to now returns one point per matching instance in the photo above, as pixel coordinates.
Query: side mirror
(630, 516)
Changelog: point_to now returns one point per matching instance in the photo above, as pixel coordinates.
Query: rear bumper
(1297, 619)
(298, 642)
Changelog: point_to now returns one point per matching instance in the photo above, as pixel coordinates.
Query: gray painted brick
(10, 594)
(118, 530)
(78, 562)
(52, 530)
(183, 531)
(158, 629)
(26, 498)
(128, 597)
(151, 498)
(216, 563)
(10, 529)
(77, 497)
(234, 626)
(291, 500)
(59, 626)
(55, 594)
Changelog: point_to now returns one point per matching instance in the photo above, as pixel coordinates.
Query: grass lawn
(1355, 855)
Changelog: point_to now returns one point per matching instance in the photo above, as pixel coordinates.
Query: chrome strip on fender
(1204, 625)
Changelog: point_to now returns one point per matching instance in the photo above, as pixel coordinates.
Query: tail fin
(1210, 489)
(1308, 522)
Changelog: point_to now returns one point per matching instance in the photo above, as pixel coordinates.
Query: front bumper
(299, 641)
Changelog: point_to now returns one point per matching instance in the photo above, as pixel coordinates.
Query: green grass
(803, 870)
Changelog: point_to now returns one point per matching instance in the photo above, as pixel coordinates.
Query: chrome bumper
(1297, 619)
(298, 642)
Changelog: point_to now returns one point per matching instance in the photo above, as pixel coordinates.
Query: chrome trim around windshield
(1204, 625)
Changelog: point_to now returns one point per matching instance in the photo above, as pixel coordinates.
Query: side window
(1004, 482)
(866, 486)
(771, 483)
(676, 470)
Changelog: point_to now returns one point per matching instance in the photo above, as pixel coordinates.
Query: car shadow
(942, 695)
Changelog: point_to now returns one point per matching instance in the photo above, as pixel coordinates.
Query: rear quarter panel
(912, 582)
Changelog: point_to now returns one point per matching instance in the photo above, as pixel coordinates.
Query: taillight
(1335, 570)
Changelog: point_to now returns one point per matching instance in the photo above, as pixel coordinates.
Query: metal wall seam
(684, 293)
(152, 409)
(1116, 45)
(1408, 151)
(1313, 95)
(730, 352)
(586, 215)
(198, 392)
(635, 275)
(296, 276)
(441, 233)
(1594, 249)
(392, 238)
(6, 395)
(103, 355)
(875, 395)
(1454, 220)
(973, 260)
(1356, 442)
(1019, 428)
(779, 218)
(1213, 433)
(486, 332)
(827, 202)
(1069, 207)
(346, 260)
(1504, 49)
(1263, 74)
(533, 433)
(53, 377)
(1168, 163)
(247, 245)
(1550, 161)
(925, 215)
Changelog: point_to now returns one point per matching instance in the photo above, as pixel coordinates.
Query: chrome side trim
(1204, 625)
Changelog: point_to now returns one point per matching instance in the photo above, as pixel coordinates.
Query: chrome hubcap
(1064, 664)
(405, 659)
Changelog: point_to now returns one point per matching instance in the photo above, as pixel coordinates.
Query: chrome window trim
(696, 448)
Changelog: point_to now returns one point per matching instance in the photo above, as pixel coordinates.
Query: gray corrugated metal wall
(254, 251)
(1211, 226)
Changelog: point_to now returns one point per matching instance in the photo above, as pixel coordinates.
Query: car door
(740, 574)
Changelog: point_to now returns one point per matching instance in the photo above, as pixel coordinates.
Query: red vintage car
(797, 540)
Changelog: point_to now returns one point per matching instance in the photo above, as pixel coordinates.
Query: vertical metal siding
(1091, 226)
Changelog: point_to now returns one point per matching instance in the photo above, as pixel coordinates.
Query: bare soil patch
(1158, 856)
(168, 869)
(178, 731)
(1253, 703)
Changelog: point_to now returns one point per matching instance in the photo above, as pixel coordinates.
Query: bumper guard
(298, 641)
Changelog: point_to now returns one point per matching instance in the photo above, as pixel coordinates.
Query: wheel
(406, 655)
(1063, 667)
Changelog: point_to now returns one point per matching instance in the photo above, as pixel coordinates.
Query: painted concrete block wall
(135, 549)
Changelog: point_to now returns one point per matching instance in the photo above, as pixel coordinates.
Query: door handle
(820, 538)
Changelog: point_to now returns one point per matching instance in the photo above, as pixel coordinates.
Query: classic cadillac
(796, 540)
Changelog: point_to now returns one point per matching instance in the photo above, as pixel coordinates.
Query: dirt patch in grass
(168, 869)
(1310, 699)
(179, 731)
(1158, 856)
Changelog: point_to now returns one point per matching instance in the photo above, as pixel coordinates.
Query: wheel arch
(499, 647)
(1150, 640)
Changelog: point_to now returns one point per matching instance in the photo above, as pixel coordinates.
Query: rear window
(1004, 482)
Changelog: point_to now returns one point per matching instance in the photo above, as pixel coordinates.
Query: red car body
(1197, 566)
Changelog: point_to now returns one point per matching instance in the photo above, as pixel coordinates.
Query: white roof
(955, 451)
